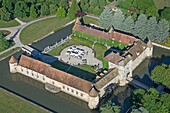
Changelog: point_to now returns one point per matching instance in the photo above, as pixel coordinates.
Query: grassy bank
(12, 104)
(8, 52)
(87, 68)
(99, 49)
(160, 4)
(89, 20)
(4, 32)
(11, 23)
(39, 29)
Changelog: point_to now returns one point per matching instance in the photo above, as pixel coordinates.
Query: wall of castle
(112, 65)
(141, 58)
(103, 89)
(65, 88)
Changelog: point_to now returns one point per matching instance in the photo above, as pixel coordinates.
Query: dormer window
(144, 47)
(137, 53)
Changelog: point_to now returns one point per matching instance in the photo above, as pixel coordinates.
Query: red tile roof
(55, 74)
(113, 57)
(117, 36)
(12, 60)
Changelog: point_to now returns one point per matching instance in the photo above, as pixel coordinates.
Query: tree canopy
(151, 100)
(109, 107)
(161, 73)
(73, 9)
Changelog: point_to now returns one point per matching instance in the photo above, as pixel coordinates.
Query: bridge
(137, 84)
(29, 50)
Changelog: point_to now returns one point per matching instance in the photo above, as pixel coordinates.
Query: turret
(13, 65)
(149, 48)
(93, 98)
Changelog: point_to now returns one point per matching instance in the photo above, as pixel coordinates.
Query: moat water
(63, 103)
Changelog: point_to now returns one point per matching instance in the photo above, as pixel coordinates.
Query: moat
(35, 91)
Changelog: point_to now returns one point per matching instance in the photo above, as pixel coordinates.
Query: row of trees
(151, 100)
(147, 7)
(136, 7)
(161, 73)
(93, 6)
(143, 27)
(30, 8)
(4, 44)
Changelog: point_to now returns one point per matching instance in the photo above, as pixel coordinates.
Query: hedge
(100, 40)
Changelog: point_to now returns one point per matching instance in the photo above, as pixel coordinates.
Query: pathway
(159, 45)
(15, 32)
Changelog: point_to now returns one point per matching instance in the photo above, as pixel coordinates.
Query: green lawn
(11, 23)
(41, 28)
(84, 74)
(89, 20)
(160, 4)
(4, 32)
(10, 103)
(99, 49)
(9, 52)
(73, 41)
(87, 68)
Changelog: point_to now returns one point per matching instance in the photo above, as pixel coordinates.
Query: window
(27, 72)
(63, 87)
(53, 82)
(32, 74)
(77, 92)
(68, 89)
(43, 78)
(37, 76)
(72, 91)
(82, 94)
(22, 70)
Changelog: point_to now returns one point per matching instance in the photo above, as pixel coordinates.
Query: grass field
(41, 28)
(10, 103)
(5, 33)
(11, 23)
(9, 52)
(87, 68)
(160, 4)
(99, 49)
(89, 20)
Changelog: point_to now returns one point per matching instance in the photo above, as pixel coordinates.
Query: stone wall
(92, 101)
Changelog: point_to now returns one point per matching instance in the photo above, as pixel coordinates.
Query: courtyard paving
(88, 57)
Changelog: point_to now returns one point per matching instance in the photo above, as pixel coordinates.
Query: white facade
(92, 101)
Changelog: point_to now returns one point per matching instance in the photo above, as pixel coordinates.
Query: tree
(53, 8)
(105, 18)
(4, 43)
(101, 3)
(118, 19)
(97, 10)
(109, 107)
(162, 31)
(128, 24)
(61, 13)
(73, 9)
(151, 28)
(150, 100)
(161, 73)
(139, 110)
(140, 27)
(93, 3)
(8, 5)
(21, 9)
(44, 10)
(4, 14)
(64, 4)
(165, 14)
(33, 13)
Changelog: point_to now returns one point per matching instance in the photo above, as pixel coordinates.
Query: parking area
(79, 55)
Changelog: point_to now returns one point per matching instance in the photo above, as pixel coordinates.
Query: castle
(121, 66)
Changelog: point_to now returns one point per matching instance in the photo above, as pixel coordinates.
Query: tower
(13, 65)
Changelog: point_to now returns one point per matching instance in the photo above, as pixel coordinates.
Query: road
(15, 32)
